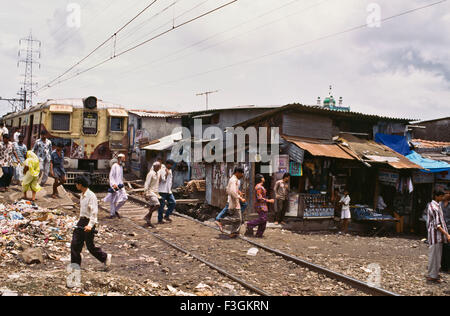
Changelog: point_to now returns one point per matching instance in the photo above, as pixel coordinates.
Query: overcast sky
(400, 69)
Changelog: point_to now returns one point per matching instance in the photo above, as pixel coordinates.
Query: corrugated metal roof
(372, 152)
(153, 114)
(436, 156)
(421, 143)
(321, 110)
(165, 143)
(319, 148)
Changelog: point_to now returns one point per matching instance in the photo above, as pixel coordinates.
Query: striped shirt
(435, 220)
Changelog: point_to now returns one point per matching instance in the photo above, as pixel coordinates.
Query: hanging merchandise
(296, 169)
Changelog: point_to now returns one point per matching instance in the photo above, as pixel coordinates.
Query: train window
(117, 124)
(90, 121)
(61, 122)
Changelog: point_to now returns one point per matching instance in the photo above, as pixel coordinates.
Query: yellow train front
(92, 132)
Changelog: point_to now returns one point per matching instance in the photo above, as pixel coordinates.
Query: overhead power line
(253, 59)
(101, 45)
(173, 28)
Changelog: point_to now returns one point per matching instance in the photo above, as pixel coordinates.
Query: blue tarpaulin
(429, 165)
(395, 142)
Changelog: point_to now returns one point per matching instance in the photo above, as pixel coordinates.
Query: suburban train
(92, 132)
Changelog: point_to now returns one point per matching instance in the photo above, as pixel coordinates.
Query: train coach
(92, 132)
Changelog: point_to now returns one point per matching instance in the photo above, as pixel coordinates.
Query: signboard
(388, 177)
(283, 163)
(423, 177)
(296, 169)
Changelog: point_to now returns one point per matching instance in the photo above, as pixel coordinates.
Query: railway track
(273, 276)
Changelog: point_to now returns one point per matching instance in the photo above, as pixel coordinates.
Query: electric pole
(207, 95)
(28, 56)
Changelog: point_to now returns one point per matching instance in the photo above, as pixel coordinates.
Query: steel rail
(187, 252)
(363, 286)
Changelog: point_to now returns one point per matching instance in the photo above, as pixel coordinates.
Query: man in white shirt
(84, 232)
(345, 214)
(234, 218)
(117, 195)
(165, 191)
(151, 189)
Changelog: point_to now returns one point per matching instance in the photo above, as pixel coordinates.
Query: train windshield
(117, 124)
(90, 121)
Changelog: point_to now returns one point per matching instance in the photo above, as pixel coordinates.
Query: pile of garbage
(29, 233)
(202, 212)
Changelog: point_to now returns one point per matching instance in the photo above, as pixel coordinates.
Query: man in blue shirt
(57, 170)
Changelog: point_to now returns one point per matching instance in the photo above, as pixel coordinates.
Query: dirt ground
(143, 265)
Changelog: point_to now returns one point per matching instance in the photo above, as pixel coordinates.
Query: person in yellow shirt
(31, 175)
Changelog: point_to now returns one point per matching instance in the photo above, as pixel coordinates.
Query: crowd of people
(26, 167)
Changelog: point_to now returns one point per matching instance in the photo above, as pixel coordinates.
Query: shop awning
(55, 108)
(319, 148)
(117, 113)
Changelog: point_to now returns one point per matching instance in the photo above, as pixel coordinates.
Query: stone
(32, 255)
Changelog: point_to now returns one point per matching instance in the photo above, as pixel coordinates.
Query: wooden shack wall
(307, 125)
(217, 176)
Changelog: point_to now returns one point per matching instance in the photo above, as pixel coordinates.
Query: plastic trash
(252, 252)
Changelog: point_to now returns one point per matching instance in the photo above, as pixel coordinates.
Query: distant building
(435, 130)
(144, 128)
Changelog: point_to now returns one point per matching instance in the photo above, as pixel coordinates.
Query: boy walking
(85, 231)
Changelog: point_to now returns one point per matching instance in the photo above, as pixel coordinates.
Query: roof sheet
(421, 143)
(165, 143)
(319, 148)
(324, 111)
(373, 152)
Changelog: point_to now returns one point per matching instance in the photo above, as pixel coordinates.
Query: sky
(254, 52)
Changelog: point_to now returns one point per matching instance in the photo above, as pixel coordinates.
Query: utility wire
(47, 86)
(101, 45)
(253, 59)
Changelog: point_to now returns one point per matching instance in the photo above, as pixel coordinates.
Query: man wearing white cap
(117, 196)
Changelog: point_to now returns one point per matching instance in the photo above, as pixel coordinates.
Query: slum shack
(327, 150)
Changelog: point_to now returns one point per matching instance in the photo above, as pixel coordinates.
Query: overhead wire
(47, 86)
(101, 45)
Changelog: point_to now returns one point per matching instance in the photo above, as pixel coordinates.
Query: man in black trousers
(85, 230)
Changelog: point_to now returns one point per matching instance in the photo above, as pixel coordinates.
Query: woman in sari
(31, 175)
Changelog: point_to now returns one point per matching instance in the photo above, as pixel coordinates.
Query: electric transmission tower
(29, 51)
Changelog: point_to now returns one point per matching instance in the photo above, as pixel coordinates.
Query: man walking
(151, 190)
(43, 149)
(445, 264)
(165, 191)
(7, 155)
(57, 170)
(85, 231)
(234, 218)
(282, 198)
(437, 236)
(117, 195)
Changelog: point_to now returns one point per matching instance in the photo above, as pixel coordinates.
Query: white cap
(121, 156)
